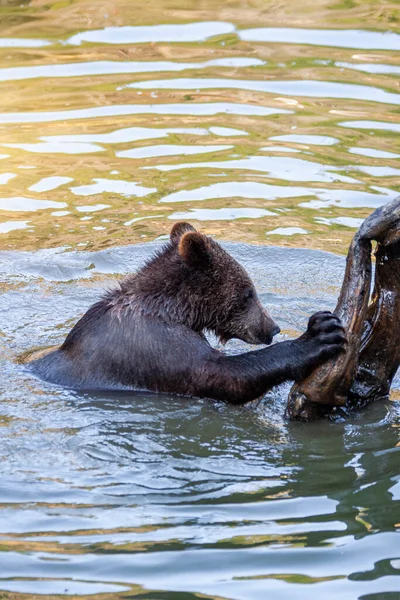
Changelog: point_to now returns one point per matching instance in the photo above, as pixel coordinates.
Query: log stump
(365, 370)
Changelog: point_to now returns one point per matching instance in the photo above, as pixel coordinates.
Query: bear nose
(275, 330)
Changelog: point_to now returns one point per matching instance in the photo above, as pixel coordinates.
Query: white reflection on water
(303, 87)
(128, 134)
(222, 214)
(227, 131)
(57, 148)
(345, 221)
(287, 231)
(188, 108)
(64, 587)
(243, 189)
(109, 67)
(325, 197)
(351, 198)
(114, 186)
(92, 207)
(8, 226)
(371, 125)
(372, 153)
(249, 189)
(282, 167)
(18, 203)
(133, 134)
(169, 150)
(189, 32)
(339, 38)
(395, 492)
(320, 140)
(371, 68)
(22, 43)
(49, 183)
(377, 171)
(136, 219)
(6, 177)
(278, 149)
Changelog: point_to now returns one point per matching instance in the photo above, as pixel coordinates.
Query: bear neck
(165, 289)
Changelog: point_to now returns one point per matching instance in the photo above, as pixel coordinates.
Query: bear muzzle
(254, 326)
(263, 332)
(263, 337)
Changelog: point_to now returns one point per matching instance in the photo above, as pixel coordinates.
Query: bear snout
(269, 330)
(276, 330)
(263, 333)
(266, 337)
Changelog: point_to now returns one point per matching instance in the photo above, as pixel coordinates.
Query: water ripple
(306, 88)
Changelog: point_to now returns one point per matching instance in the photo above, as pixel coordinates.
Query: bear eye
(248, 294)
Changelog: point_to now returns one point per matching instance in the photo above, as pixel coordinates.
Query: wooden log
(367, 327)
(380, 346)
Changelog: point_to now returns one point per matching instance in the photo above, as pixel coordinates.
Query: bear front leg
(245, 377)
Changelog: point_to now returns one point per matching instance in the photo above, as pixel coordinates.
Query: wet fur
(148, 334)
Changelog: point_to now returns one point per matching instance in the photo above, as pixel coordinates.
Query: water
(268, 125)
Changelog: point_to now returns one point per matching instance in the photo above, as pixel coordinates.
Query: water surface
(154, 495)
(268, 124)
(124, 94)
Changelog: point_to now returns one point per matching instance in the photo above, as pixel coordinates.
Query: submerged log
(380, 345)
(365, 370)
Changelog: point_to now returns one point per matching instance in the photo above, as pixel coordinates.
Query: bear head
(194, 281)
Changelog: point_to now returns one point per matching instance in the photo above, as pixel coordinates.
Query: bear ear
(195, 250)
(179, 229)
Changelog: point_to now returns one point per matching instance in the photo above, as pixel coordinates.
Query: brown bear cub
(148, 334)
